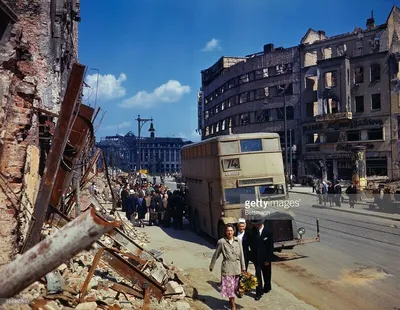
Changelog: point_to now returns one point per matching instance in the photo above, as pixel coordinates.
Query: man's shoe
(266, 291)
(258, 297)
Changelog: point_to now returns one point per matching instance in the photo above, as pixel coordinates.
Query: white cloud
(118, 126)
(195, 136)
(110, 87)
(212, 45)
(171, 91)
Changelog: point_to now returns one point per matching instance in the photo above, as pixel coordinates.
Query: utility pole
(141, 122)
(291, 151)
(286, 138)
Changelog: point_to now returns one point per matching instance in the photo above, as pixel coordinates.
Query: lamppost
(141, 122)
(283, 93)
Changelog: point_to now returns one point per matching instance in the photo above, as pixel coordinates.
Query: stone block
(173, 287)
(87, 306)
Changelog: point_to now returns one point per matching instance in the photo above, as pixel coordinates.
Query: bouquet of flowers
(247, 282)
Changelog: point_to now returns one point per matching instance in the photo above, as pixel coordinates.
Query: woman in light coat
(232, 263)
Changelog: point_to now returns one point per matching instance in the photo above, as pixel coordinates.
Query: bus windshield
(235, 195)
(270, 190)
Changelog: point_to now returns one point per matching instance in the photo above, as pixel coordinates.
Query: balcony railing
(334, 116)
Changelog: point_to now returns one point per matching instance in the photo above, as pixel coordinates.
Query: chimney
(322, 34)
(371, 21)
(268, 48)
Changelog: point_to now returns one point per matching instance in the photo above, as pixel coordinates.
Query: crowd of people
(151, 203)
(331, 192)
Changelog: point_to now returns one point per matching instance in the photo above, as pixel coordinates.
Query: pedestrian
(232, 264)
(331, 194)
(351, 191)
(324, 192)
(141, 207)
(164, 209)
(130, 207)
(262, 248)
(338, 194)
(244, 235)
(178, 206)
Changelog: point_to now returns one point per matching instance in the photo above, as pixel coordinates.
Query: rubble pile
(73, 285)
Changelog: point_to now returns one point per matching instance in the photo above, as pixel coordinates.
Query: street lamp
(283, 93)
(141, 122)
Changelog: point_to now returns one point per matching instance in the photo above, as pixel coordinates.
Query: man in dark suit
(245, 236)
(262, 248)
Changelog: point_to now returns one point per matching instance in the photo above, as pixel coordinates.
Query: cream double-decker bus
(219, 171)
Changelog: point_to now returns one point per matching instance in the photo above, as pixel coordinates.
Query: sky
(146, 55)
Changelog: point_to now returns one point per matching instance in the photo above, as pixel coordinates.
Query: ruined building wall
(37, 50)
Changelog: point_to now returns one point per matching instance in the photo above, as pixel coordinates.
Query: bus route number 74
(232, 164)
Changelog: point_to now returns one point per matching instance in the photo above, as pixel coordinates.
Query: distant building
(159, 155)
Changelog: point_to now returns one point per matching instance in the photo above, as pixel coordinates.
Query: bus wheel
(221, 230)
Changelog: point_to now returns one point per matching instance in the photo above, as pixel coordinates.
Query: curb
(315, 195)
(349, 211)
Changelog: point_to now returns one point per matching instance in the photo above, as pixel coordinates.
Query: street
(355, 266)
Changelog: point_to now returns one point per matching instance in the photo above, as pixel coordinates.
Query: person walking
(244, 236)
(232, 264)
(338, 194)
(130, 207)
(141, 208)
(351, 191)
(262, 247)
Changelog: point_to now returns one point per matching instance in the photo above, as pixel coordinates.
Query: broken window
(231, 84)
(359, 75)
(262, 116)
(244, 78)
(353, 135)
(232, 122)
(311, 109)
(261, 93)
(216, 109)
(358, 48)
(312, 138)
(327, 52)
(261, 73)
(334, 106)
(280, 114)
(330, 79)
(244, 97)
(341, 50)
(374, 43)
(244, 119)
(332, 137)
(231, 101)
(375, 134)
(310, 59)
(283, 69)
(222, 89)
(375, 72)
(223, 105)
(311, 83)
(217, 127)
(223, 125)
(376, 101)
(206, 114)
(359, 104)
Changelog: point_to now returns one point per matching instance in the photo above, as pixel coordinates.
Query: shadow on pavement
(392, 211)
(188, 235)
(286, 257)
(215, 303)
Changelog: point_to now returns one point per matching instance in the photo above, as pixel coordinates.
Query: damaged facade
(350, 98)
(38, 45)
(248, 94)
(345, 92)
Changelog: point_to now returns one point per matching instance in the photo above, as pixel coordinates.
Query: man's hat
(257, 221)
(242, 220)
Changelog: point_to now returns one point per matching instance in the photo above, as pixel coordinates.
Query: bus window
(269, 190)
(272, 145)
(250, 145)
(230, 147)
(240, 194)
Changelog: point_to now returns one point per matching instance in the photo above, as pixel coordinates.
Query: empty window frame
(310, 59)
(359, 75)
(331, 79)
(280, 113)
(261, 93)
(262, 116)
(375, 134)
(359, 104)
(244, 119)
(311, 109)
(353, 135)
(376, 101)
(375, 72)
(244, 78)
(261, 73)
(244, 97)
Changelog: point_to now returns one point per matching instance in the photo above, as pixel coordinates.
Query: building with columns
(159, 155)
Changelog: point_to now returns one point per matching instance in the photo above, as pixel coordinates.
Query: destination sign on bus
(231, 164)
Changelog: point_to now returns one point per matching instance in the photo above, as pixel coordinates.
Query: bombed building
(38, 45)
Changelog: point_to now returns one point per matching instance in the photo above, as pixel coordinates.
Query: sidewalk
(359, 208)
